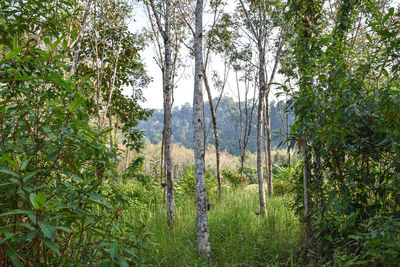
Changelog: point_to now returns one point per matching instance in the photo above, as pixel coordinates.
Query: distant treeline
(228, 117)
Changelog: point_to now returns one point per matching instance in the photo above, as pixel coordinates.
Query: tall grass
(238, 236)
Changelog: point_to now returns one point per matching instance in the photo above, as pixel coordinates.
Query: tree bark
(168, 117)
(203, 244)
(268, 161)
(262, 90)
(162, 158)
(74, 64)
(216, 139)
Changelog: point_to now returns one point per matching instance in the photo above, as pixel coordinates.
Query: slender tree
(161, 18)
(213, 45)
(203, 244)
(267, 120)
(255, 16)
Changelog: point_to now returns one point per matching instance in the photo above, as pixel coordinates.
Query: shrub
(377, 245)
(251, 174)
(187, 184)
(283, 179)
(234, 179)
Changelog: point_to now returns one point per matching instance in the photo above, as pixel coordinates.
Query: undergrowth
(238, 236)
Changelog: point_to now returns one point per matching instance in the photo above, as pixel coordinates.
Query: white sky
(183, 93)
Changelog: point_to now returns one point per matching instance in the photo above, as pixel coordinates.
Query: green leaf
(106, 131)
(114, 249)
(65, 44)
(10, 161)
(10, 173)
(27, 225)
(329, 238)
(15, 42)
(332, 195)
(87, 76)
(37, 200)
(29, 176)
(47, 229)
(76, 103)
(13, 53)
(14, 257)
(14, 212)
(56, 43)
(51, 245)
(47, 43)
(62, 228)
(122, 261)
(389, 14)
(25, 164)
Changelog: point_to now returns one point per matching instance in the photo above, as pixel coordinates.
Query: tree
(203, 244)
(162, 18)
(244, 120)
(55, 163)
(344, 123)
(216, 30)
(258, 23)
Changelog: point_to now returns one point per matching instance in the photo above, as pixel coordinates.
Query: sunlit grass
(238, 236)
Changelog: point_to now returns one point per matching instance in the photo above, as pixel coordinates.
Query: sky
(183, 93)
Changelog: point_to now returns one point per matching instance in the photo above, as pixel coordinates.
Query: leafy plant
(234, 179)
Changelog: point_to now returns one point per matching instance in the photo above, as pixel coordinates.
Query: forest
(182, 131)
(287, 155)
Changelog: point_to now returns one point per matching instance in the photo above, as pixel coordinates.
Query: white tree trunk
(215, 126)
(268, 161)
(167, 116)
(262, 89)
(203, 244)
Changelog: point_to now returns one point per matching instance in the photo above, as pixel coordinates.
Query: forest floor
(238, 236)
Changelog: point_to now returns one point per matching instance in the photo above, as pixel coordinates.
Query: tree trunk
(110, 125)
(305, 185)
(168, 117)
(262, 89)
(203, 244)
(162, 159)
(216, 139)
(268, 162)
(74, 64)
(287, 130)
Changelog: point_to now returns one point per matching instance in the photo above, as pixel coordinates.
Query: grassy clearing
(238, 236)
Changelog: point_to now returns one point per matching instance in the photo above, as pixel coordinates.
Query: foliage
(58, 204)
(284, 179)
(183, 133)
(250, 173)
(238, 236)
(347, 117)
(135, 172)
(186, 185)
(111, 51)
(379, 242)
(234, 179)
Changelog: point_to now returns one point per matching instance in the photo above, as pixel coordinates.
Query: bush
(251, 174)
(283, 179)
(234, 179)
(58, 206)
(186, 186)
(377, 245)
